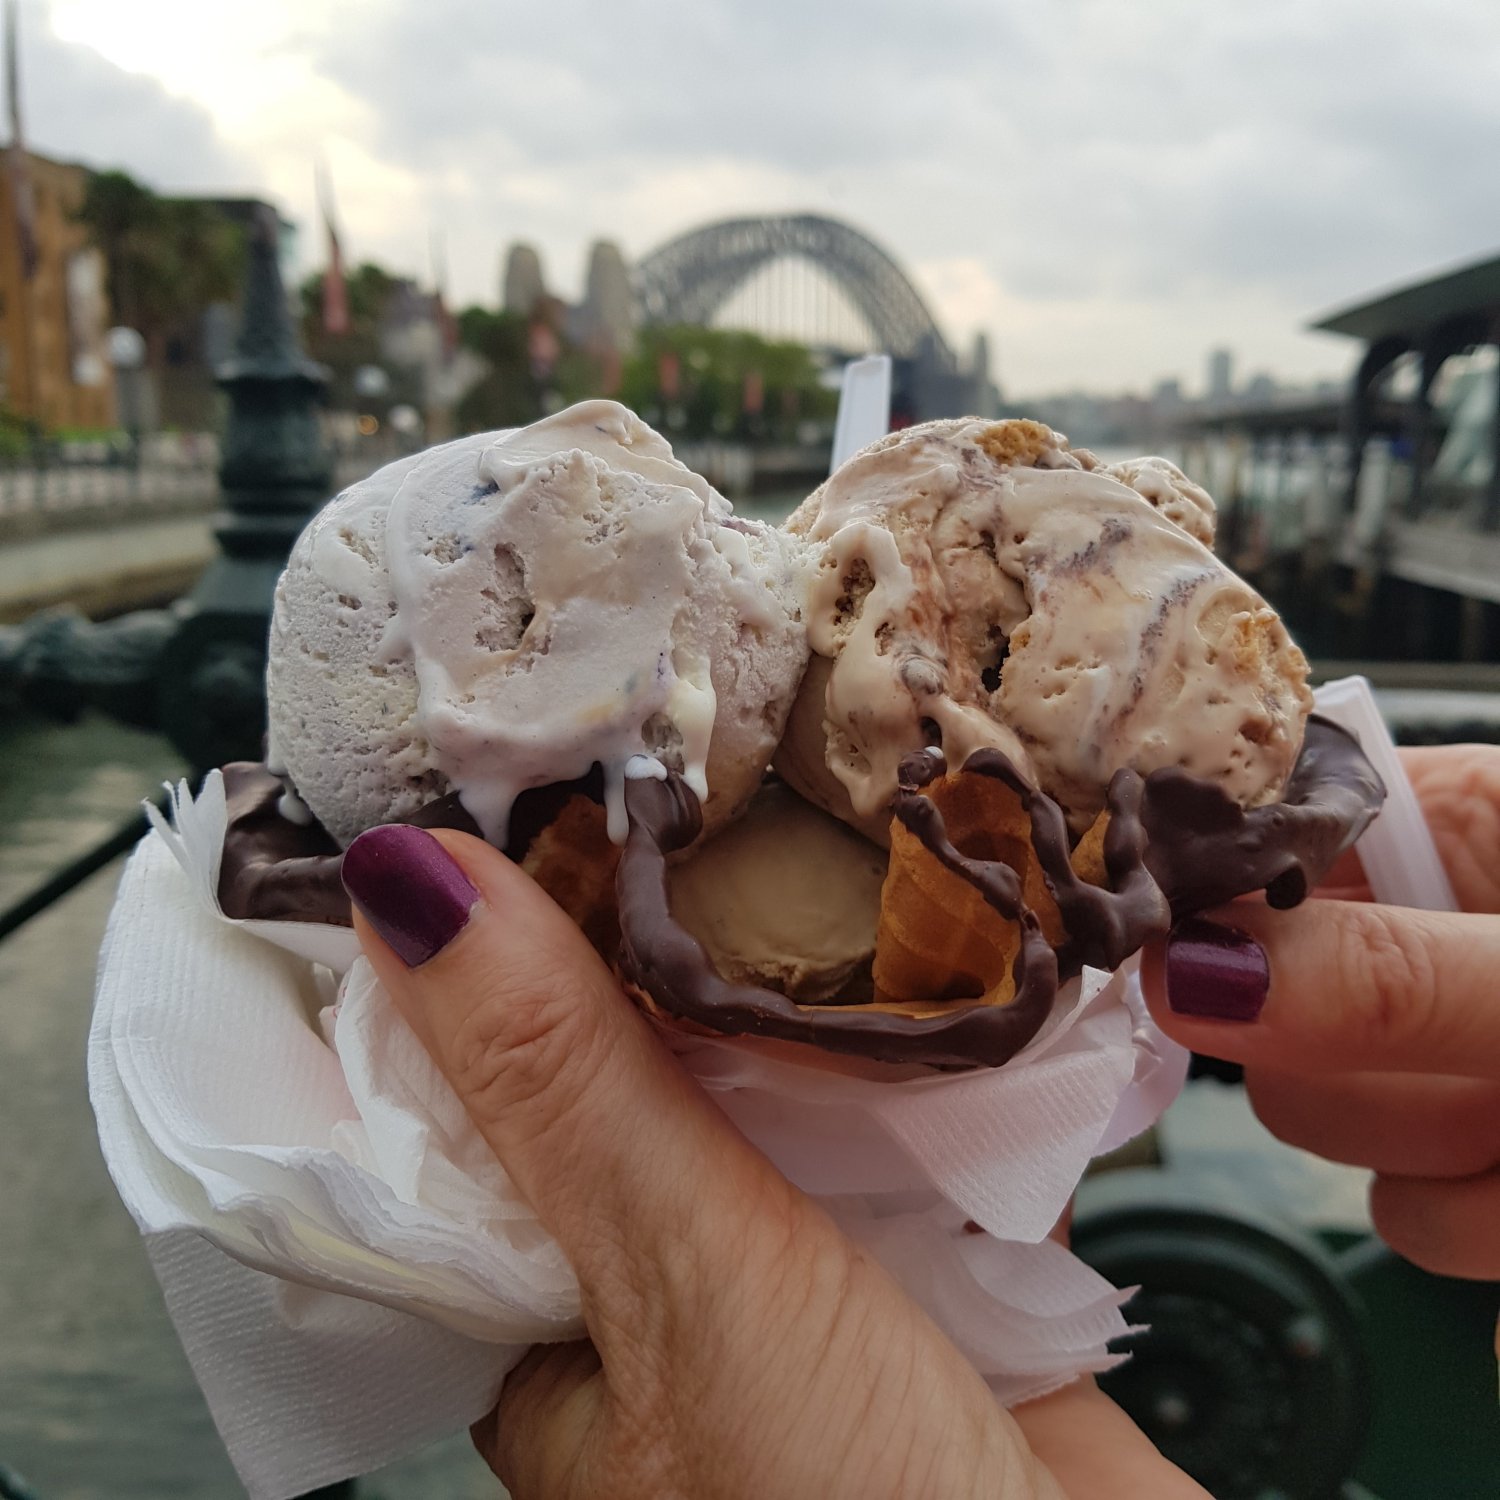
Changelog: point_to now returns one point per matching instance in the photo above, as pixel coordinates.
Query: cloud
(81, 107)
(1083, 153)
(1155, 178)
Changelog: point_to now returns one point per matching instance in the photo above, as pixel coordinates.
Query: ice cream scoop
(981, 585)
(786, 896)
(509, 610)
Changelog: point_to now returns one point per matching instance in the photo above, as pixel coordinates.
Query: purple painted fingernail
(1215, 971)
(409, 888)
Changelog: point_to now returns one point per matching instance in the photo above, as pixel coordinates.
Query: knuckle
(1387, 972)
(1407, 1218)
(1276, 1104)
(527, 1041)
(1445, 1227)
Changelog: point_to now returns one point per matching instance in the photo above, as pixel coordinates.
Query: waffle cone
(938, 938)
(573, 860)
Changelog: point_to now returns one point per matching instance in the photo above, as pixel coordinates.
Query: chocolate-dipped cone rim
(1168, 828)
(1203, 848)
(660, 957)
(1172, 838)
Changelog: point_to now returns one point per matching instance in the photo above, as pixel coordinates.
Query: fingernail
(409, 888)
(1215, 971)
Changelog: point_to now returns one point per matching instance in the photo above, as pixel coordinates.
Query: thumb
(588, 1112)
(1332, 986)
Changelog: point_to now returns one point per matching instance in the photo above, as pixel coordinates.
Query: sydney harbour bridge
(803, 276)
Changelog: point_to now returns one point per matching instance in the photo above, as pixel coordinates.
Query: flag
(22, 193)
(753, 399)
(335, 291)
(668, 374)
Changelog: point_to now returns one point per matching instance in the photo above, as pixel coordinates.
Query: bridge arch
(689, 278)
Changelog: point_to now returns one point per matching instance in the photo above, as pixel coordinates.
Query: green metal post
(275, 472)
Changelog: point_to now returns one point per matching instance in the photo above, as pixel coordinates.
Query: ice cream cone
(573, 860)
(939, 938)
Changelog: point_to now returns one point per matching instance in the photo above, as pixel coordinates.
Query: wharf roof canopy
(1421, 305)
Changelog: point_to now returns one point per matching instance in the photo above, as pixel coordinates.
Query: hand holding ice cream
(737, 1343)
(1369, 1033)
(482, 569)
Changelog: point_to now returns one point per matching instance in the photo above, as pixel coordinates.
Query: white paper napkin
(351, 1271)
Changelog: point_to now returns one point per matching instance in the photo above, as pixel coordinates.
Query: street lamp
(126, 351)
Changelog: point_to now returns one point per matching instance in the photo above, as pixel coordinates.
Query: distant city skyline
(1105, 192)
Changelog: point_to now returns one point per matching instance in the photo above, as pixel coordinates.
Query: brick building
(52, 328)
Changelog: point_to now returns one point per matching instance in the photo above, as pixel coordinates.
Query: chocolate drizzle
(1173, 844)
(272, 868)
(1172, 841)
(667, 964)
(1105, 925)
(1204, 849)
(275, 869)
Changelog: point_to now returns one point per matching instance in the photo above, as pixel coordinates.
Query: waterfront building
(54, 306)
(1220, 376)
(1372, 517)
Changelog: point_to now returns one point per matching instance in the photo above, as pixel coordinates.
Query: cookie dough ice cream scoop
(1064, 718)
(981, 585)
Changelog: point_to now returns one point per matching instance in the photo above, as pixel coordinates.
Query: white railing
(61, 486)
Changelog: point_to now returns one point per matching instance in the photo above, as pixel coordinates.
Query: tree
(714, 382)
(167, 259)
(509, 394)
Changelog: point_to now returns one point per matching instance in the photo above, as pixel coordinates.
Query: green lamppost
(275, 471)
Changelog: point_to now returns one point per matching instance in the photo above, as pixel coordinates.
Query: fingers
(1451, 1228)
(1459, 789)
(1342, 986)
(587, 1111)
(1405, 1124)
(535, 1439)
(1096, 1452)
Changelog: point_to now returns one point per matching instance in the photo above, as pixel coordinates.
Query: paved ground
(104, 569)
(96, 1400)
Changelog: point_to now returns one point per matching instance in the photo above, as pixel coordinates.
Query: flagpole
(22, 217)
(335, 310)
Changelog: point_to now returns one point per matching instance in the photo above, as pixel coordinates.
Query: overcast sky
(1107, 187)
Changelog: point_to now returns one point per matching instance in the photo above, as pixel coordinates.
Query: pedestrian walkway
(105, 568)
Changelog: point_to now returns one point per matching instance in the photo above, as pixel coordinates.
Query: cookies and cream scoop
(507, 611)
